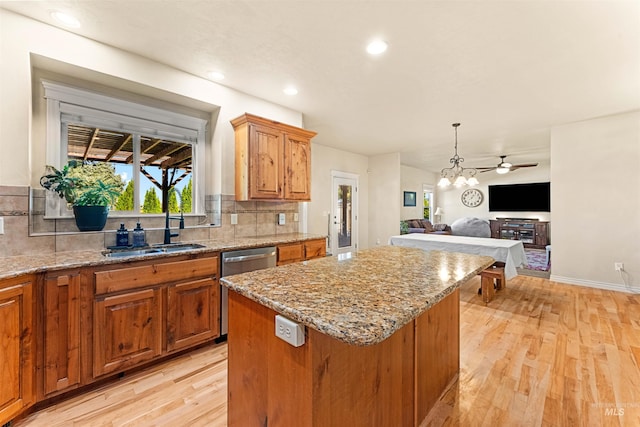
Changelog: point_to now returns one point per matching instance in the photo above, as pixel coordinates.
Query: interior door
(343, 219)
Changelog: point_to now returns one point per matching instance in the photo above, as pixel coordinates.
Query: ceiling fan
(505, 167)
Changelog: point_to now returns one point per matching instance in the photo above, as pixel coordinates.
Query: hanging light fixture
(456, 174)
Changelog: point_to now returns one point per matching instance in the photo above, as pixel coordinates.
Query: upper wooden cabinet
(273, 160)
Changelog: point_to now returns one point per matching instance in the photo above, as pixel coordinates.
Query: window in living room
(427, 202)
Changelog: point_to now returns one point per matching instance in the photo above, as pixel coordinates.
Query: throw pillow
(426, 224)
(439, 227)
(413, 223)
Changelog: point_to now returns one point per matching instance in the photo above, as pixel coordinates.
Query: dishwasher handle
(248, 257)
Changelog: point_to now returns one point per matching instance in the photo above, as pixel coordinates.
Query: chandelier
(456, 174)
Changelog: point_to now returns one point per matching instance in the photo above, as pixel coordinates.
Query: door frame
(333, 234)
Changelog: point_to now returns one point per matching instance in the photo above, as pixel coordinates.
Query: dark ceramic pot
(91, 218)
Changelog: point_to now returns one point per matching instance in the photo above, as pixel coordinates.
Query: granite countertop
(26, 264)
(364, 299)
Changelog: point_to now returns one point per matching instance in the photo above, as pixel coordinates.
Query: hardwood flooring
(539, 354)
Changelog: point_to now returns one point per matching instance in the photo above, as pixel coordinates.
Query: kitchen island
(381, 338)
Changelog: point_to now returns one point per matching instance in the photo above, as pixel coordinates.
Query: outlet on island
(289, 331)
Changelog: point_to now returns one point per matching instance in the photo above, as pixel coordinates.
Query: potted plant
(90, 199)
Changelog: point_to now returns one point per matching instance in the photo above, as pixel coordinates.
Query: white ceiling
(508, 71)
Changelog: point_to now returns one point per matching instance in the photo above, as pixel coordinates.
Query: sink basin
(177, 247)
(156, 249)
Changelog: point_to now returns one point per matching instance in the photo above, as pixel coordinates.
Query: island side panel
(437, 352)
(324, 382)
(268, 379)
(364, 386)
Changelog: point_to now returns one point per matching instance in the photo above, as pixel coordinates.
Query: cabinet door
(127, 330)
(266, 172)
(495, 229)
(542, 236)
(290, 253)
(297, 158)
(192, 313)
(61, 332)
(16, 351)
(315, 249)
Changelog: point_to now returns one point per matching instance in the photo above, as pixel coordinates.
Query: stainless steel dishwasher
(236, 262)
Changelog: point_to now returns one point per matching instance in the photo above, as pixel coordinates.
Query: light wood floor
(540, 354)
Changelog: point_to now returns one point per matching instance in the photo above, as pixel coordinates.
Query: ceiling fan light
(502, 170)
(505, 165)
(444, 182)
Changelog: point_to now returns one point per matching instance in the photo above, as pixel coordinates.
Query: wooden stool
(487, 277)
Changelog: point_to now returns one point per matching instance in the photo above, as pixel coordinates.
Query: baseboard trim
(593, 284)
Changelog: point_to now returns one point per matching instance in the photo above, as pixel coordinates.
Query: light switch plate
(295, 217)
(281, 219)
(234, 219)
(1, 225)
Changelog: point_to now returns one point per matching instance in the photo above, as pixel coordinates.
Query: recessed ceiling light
(65, 19)
(376, 47)
(290, 90)
(216, 75)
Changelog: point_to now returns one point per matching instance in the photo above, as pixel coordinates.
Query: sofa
(421, 225)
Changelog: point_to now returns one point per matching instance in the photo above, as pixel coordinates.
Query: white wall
(449, 199)
(385, 198)
(595, 201)
(32, 41)
(323, 161)
(412, 179)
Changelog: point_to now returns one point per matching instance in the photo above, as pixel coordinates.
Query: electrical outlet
(281, 219)
(289, 331)
(618, 266)
(1, 225)
(234, 219)
(295, 217)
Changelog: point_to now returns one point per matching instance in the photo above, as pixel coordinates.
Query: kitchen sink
(155, 249)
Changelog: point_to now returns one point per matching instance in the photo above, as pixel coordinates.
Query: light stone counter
(364, 299)
(25, 264)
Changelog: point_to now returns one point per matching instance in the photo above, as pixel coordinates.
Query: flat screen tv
(534, 197)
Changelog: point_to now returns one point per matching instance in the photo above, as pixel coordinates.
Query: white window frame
(67, 104)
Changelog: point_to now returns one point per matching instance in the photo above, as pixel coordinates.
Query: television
(534, 197)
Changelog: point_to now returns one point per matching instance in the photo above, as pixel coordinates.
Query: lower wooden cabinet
(61, 324)
(193, 314)
(127, 330)
(301, 251)
(16, 346)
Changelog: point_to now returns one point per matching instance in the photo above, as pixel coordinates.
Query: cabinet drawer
(154, 274)
(315, 249)
(290, 253)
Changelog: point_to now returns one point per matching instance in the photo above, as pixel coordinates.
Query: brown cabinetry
(126, 330)
(61, 332)
(532, 233)
(16, 348)
(273, 160)
(301, 251)
(192, 313)
(146, 311)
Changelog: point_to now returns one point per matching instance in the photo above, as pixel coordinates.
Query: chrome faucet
(167, 230)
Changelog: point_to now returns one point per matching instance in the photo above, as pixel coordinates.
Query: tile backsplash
(27, 231)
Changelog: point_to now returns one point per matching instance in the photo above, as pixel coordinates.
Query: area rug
(536, 259)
